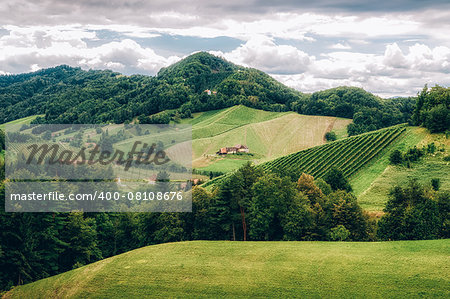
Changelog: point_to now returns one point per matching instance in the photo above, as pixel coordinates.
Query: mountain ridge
(71, 95)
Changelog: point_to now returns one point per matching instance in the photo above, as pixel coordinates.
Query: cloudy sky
(388, 47)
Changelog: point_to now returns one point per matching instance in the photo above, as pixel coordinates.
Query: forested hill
(71, 95)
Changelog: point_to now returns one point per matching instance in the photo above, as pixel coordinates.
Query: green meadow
(207, 269)
(267, 134)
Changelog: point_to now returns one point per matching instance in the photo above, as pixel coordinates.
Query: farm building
(241, 148)
(238, 148)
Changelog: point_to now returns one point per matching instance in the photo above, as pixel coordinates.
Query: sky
(388, 47)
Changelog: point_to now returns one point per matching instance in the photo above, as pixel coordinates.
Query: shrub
(435, 183)
(339, 233)
(396, 157)
(414, 154)
(330, 136)
(336, 179)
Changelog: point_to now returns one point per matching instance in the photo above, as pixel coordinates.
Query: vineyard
(348, 154)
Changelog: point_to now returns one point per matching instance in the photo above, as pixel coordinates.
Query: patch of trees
(252, 205)
(369, 112)
(415, 212)
(433, 109)
(159, 118)
(412, 154)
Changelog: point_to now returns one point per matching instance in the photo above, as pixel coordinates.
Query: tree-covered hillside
(433, 109)
(368, 111)
(200, 82)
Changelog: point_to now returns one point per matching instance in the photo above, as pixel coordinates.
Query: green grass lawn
(225, 165)
(375, 197)
(259, 269)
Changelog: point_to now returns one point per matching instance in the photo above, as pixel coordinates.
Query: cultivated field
(406, 269)
(267, 134)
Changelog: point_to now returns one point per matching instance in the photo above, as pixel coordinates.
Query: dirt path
(329, 128)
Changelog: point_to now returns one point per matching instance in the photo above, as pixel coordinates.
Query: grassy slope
(259, 269)
(20, 121)
(268, 134)
(372, 185)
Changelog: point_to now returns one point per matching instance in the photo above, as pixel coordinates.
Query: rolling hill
(258, 269)
(301, 147)
(71, 95)
(267, 134)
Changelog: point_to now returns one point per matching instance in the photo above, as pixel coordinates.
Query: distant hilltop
(199, 82)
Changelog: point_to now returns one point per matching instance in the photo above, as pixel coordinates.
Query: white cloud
(341, 46)
(420, 57)
(398, 70)
(43, 36)
(393, 57)
(28, 49)
(262, 53)
(391, 74)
